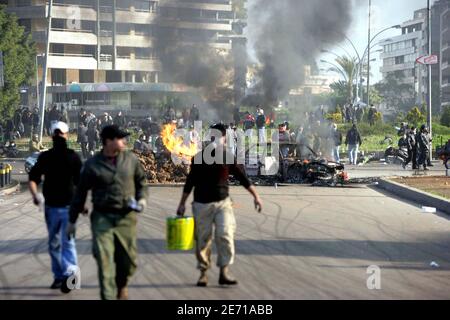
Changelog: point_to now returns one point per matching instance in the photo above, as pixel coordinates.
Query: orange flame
(175, 144)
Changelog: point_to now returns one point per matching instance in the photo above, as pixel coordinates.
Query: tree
(18, 60)
(415, 117)
(340, 93)
(348, 65)
(375, 97)
(395, 94)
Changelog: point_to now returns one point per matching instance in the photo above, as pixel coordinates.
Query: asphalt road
(308, 243)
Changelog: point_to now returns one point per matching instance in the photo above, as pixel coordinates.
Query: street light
(40, 55)
(367, 51)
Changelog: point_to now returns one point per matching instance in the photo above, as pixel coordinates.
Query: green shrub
(334, 117)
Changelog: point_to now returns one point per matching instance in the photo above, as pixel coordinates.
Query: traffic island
(404, 188)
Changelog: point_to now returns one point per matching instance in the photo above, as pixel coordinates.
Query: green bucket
(180, 233)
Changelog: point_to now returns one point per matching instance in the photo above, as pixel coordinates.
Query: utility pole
(429, 116)
(368, 55)
(44, 73)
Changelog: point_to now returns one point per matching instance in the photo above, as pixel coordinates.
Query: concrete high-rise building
(400, 53)
(445, 57)
(103, 53)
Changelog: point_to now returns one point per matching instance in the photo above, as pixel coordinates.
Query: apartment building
(103, 53)
(445, 58)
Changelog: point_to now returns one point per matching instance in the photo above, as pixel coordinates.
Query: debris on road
(162, 170)
(434, 264)
(428, 210)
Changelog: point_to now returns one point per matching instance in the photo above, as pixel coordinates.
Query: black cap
(112, 132)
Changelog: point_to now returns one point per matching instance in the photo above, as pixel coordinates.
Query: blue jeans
(353, 153)
(62, 251)
(336, 154)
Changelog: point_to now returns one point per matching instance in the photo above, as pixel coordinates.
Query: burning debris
(162, 170)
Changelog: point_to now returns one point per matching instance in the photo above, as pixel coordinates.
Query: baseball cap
(112, 132)
(61, 126)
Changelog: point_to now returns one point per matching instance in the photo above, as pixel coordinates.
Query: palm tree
(348, 66)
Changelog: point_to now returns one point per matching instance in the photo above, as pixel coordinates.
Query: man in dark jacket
(60, 167)
(411, 145)
(212, 205)
(93, 137)
(353, 140)
(423, 147)
(83, 140)
(118, 185)
(120, 120)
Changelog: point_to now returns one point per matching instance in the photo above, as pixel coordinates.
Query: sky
(385, 13)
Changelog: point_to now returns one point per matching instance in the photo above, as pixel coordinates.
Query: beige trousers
(220, 215)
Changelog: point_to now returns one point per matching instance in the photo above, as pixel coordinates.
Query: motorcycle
(396, 156)
(9, 150)
(443, 154)
(323, 172)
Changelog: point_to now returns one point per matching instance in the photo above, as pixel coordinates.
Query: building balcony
(224, 6)
(126, 63)
(72, 61)
(398, 67)
(198, 23)
(135, 41)
(396, 53)
(28, 12)
(137, 17)
(69, 36)
(66, 11)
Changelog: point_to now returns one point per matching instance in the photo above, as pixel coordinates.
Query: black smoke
(286, 35)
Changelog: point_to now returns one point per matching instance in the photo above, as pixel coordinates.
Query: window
(400, 60)
(58, 77)
(86, 76)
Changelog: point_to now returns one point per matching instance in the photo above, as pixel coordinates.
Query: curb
(415, 195)
(10, 189)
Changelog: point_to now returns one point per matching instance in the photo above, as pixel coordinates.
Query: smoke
(286, 35)
(195, 63)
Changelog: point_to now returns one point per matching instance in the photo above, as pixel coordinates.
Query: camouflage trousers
(115, 250)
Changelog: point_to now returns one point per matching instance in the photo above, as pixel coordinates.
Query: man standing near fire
(212, 205)
(117, 181)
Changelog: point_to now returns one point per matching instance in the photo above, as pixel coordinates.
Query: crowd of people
(416, 144)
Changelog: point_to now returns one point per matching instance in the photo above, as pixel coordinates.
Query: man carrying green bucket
(212, 205)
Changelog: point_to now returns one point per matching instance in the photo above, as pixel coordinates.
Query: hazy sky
(385, 13)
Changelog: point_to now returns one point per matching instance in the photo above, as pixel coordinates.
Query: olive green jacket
(112, 186)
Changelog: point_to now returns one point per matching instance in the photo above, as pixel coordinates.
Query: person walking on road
(353, 140)
(60, 167)
(212, 205)
(423, 147)
(118, 185)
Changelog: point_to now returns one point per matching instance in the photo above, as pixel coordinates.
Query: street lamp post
(37, 81)
(429, 119)
(367, 51)
(44, 73)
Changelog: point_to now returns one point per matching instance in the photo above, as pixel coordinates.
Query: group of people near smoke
(90, 126)
(417, 145)
(355, 113)
(24, 123)
(117, 182)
